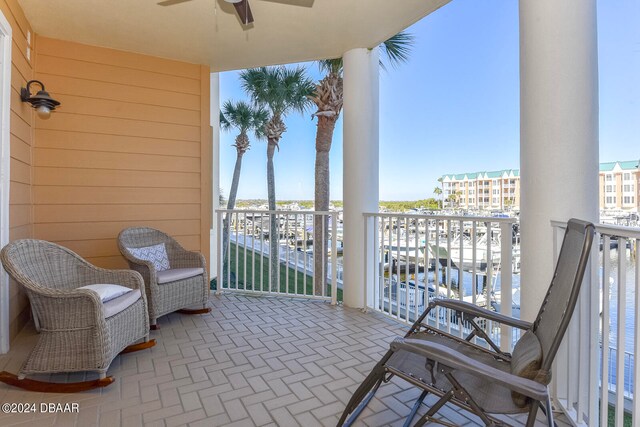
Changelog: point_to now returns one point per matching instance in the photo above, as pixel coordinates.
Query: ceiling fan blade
(171, 2)
(244, 12)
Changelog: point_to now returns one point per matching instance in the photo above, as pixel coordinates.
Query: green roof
(474, 175)
(604, 167)
(624, 165)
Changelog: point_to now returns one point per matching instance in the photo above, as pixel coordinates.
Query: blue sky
(454, 107)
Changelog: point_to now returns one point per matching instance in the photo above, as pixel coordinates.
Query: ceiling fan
(242, 8)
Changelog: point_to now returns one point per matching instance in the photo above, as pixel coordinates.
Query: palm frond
(238, 114)
(280, 89)
(224, 123)
(330, 66)
(260, 118)
(397, 49)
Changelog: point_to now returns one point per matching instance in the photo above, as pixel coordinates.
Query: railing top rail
(608, 230)
(277, 211)
(443, 217)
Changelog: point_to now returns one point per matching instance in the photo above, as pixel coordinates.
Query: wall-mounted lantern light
(41, 101)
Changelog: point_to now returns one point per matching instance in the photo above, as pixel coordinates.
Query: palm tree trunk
(274, 232)
(231, 203)
(324, 137)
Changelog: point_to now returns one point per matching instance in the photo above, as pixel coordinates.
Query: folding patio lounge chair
(483, 379)
(86, 315)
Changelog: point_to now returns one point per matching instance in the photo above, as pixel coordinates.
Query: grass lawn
(252, 279)
(612, 418)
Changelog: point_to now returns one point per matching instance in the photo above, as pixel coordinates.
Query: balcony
(414, 258)
(251, 362)
(134, 145)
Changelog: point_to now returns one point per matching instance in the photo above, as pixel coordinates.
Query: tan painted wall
(20, 209)
(130, 145)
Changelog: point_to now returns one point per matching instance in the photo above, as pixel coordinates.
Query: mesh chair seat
(491, 397)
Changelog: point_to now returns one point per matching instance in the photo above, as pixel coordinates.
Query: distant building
(482, 190)
(619, 188)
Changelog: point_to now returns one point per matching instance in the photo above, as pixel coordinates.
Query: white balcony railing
(246, 264)
(595, 371)
(420, 257)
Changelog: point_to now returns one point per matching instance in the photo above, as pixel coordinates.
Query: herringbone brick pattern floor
(254, 361)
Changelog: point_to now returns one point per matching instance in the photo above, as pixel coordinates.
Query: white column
(558, 131)
(215, 182)
(360, 165)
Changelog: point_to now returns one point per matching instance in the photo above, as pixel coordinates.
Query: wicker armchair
(78, 332)
(184, 284)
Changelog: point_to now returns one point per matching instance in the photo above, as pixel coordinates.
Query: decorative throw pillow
(156, 254)
(107, 292)
(526, 361)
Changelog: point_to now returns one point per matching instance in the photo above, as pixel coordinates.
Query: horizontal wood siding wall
(129, 146)
(20, 198)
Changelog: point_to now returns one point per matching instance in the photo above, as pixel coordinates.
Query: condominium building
(619, 188)
(482, 190)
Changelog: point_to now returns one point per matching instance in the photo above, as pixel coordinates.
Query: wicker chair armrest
(67, 309)
(455, 360)
(142, 266)
(182, 258)
(472, 311)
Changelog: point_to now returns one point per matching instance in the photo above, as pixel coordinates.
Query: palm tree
(280, 90)
(245, 118)
(328, 98)
(437, 191)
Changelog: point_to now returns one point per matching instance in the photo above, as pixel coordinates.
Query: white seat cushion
(116, 305)
(174, 274)
(107, 292)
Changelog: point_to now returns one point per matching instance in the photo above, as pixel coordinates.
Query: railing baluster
(506, 295)
(296, 260)
(416, 272)
(448, 312)
(323, 256)
(220, 254)
(474, 268)
(286, 255)
(489, 273)
(425, 296)
(271, 234)
(277, 254)
(244, 241)
(436, 272)
(237, 240)
(407, 270)
(381, 267)
(461, 274)
(230, 216)
(398, 267)
(304, 252)
(620, 339)
(253, 251)
(604, 387)
(636, 338)
(334, 258)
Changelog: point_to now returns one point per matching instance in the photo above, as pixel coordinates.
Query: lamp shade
(43, 103)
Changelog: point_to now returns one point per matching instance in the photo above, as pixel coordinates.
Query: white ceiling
(209, 32)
